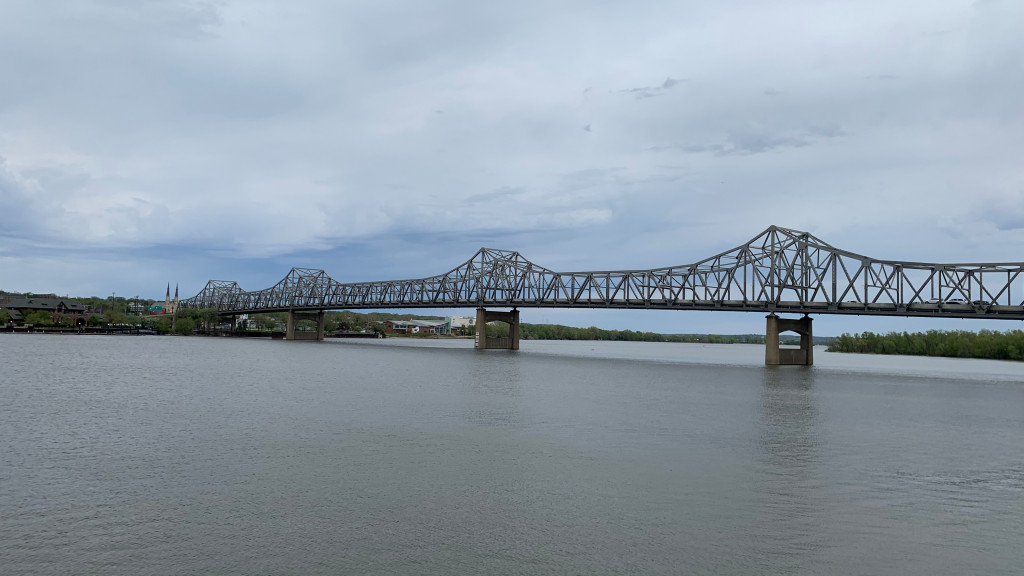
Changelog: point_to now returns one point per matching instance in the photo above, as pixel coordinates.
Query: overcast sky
(147, 142)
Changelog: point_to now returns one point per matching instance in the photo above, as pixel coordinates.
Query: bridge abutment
(484, 343)
(774, 355)
(293, 319)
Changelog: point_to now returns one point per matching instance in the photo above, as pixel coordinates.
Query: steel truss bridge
(778, 271)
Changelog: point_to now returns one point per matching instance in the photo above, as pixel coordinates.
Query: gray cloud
(651, 91)
(504, 193)
(1006, 214)
(251, 135)
(757, 141)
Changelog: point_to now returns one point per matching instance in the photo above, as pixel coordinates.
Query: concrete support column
(293, 318)
(513, 330)
(289, 331)
(482, 342)
(807, 341)
(776, 356)
(771, 341)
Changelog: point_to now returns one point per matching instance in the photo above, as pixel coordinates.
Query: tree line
(989, 344)
(208, 321)
(559, 332)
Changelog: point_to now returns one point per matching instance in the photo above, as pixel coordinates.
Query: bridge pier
(293, 319)
(484, 343)
(776, 356)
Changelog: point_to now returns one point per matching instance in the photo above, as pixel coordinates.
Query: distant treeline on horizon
(559, 332)
(989, 344)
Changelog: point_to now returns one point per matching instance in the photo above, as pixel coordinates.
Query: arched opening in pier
(776, 353)
(497, 330)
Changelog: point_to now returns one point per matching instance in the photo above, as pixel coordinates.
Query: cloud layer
(188, 140)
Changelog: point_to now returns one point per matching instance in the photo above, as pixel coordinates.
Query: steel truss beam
(779, 270)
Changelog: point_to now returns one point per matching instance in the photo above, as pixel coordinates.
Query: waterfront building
(462, 321)
(439, 327)
(58, 308)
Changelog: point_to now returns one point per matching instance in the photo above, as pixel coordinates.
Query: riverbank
(132, 330)
(984, 344)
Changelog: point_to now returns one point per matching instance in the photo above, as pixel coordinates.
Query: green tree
(497, 330)
(116, 316)
(38, 318)
(184, 326)
(210, 319)
(265, 322)
(955, 343)
(163, 325)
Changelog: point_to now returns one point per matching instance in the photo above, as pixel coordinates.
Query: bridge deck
(848, 308)
(780, 270)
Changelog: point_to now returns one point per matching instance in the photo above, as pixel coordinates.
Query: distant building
(171, 306)
(439, 327)
(462, 321)
(58, 308)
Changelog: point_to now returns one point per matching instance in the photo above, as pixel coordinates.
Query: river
(126, 455)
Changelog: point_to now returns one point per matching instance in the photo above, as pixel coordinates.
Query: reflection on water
(191, 455)
(792, 509)
(493, 387)
(788, 415)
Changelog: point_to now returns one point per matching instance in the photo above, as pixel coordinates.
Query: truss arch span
(779, 270)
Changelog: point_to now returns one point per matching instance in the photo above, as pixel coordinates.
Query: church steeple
(171, 306)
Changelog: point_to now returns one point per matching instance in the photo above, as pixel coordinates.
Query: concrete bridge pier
(484, 343)
(776, 356)
(293, 320)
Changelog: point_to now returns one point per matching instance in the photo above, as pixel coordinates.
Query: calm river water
(160, 455)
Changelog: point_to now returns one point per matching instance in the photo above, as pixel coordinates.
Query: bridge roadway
(778, 271)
